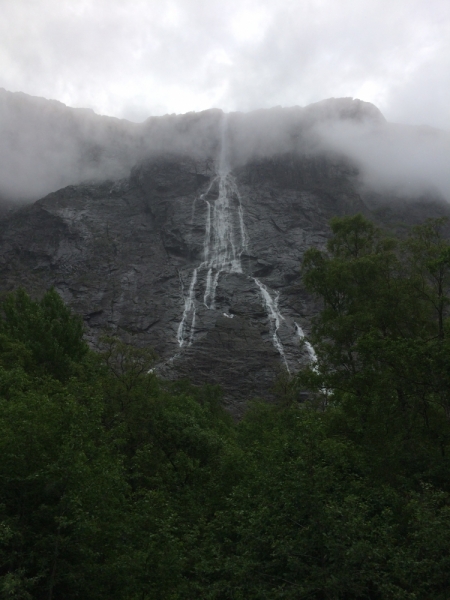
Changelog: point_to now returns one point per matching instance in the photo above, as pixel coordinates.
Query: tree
(45, 334)
(381, 340)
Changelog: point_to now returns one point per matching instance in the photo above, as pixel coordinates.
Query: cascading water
(225, 238)
(225, 241)
(311, 352)
(189, 313)
(275, 317)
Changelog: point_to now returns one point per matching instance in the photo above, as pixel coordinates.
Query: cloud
(45, 145)
(409, 161)
(133, 59)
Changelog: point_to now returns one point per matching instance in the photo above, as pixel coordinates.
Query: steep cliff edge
(197, 255)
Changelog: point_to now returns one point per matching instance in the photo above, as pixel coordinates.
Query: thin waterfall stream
(275, 317)
(225, 242)
(311, 352)
(223, 245)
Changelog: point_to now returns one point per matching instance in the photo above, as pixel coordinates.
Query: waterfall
(189, 312)
(207, 239)
(275, 316)
(311, 352)
(225, 236)
(224, 243)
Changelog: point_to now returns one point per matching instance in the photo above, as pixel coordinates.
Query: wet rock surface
(135, 257)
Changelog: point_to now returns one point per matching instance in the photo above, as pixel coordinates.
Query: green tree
(61, 492)
(347, 497)
(45, 335)
(383, 352)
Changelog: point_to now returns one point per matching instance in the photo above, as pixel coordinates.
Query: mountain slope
(197, 252)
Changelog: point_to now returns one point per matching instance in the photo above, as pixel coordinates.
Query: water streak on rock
(225, 237)
(275, 317)
(224, 242)
(188, 313)
(311, 352)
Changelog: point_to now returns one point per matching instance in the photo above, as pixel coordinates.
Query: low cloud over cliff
(45, 145)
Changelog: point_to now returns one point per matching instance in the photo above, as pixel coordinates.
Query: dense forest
(115, 484)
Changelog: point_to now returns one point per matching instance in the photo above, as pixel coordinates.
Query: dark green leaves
(44, 335)
(117, 485)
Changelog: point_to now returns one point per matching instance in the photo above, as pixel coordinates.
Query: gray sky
(136, 58)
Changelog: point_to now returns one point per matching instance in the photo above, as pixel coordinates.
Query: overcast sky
(133, 59)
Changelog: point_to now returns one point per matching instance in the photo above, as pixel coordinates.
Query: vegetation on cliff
(115, 484)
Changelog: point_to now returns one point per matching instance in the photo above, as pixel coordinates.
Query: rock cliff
(197, 252)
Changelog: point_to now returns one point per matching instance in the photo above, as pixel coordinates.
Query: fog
(45, 145)
(407, 160)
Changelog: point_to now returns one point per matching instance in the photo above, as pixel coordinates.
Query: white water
(225, 236)
(189, 312)
(275, 316)
(311, 352)
(225, 241)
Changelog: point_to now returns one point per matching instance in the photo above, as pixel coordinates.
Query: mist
(45, 145)
(405, 160)
(392, 159)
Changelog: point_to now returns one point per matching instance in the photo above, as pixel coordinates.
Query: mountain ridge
(197, 251)
(46, 145)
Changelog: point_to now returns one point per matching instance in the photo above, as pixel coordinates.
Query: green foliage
(43, 336)
(116, 484)
(106, 472)
(352, 501)
(309, 520)
(60, 488)
(382, 342)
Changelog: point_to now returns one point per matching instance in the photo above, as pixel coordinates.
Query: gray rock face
(195, 257)
(124, 256)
